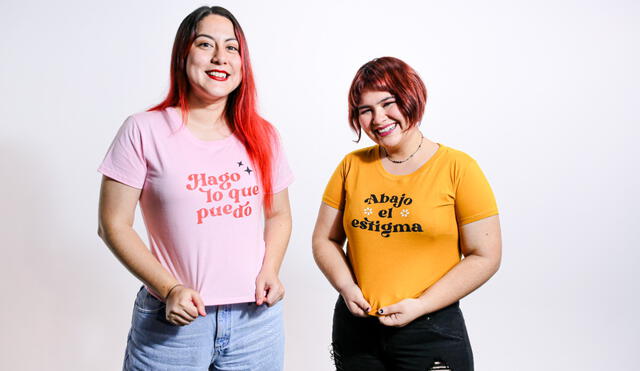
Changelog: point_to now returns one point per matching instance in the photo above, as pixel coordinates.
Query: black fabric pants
(436, 341)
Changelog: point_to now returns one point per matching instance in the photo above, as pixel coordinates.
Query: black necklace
(408, 158)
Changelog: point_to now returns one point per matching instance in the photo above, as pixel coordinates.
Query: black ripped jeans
(436, 341)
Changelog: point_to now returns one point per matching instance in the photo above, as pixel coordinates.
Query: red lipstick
(218, 77)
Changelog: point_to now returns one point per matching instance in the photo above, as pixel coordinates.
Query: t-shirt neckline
(181, 128)
(423, 167)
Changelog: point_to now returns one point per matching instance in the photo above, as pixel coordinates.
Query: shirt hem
(234, 300)
(113, 174)
(331, 203)
(477, 217)
(223, 301)
(284, 185)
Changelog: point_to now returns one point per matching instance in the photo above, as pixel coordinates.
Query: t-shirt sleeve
(125, 160)
(474, 198)
(334, 193)
(281, 174)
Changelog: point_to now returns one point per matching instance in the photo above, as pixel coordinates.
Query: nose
(379, 116)
(218, 56)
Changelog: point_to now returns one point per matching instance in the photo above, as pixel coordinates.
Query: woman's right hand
(183, 306)
(355, 301)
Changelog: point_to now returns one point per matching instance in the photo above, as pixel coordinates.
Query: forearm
(461, 280)
(333, 263)
(127, 246)
(277, 230)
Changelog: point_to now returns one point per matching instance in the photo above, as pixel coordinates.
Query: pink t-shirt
(201, 202)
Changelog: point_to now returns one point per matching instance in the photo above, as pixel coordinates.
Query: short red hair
(392, 75)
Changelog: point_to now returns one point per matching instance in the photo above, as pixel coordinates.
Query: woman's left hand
(269, 289)
(401, 313)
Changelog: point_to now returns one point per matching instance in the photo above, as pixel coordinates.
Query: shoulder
(461, 165)
(150, 123)
(455, 154)
(456, 157)
(356, 160)
(360, 156)
(149, 119)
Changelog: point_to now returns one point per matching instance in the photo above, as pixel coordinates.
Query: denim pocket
(447, 322)
(451, 322)
(258, 310)
(147, 303)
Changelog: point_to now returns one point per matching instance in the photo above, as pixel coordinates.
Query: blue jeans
(231, 337)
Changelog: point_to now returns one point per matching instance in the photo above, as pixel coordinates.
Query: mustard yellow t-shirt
(402, 230)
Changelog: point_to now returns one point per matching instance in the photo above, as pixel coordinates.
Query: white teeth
(217, 74)
(387, 129)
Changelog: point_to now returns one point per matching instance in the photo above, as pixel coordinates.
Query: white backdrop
(544, 94)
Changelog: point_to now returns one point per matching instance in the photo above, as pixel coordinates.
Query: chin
(389, 141)
(218, 94)
(214, 94)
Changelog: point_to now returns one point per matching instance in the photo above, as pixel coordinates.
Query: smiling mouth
(217, 75)
(386, 130)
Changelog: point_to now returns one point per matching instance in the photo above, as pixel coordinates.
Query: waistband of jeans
(453, 305)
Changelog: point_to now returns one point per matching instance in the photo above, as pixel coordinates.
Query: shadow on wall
(59, 303)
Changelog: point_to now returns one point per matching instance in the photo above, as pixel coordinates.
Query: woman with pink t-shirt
(205, 168)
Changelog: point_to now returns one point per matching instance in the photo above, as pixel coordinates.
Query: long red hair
(255, 133)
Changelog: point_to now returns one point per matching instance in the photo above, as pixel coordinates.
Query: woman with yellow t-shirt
(409, 209)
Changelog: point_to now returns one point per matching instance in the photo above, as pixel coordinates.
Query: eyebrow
(210, 37)
(378, 102)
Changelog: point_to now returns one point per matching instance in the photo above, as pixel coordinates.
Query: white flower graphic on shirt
(367, 211)
(404, 213)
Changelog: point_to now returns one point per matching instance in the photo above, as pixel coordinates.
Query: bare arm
(327, 242)
(116, 215)
(277, 230)
(481, 245)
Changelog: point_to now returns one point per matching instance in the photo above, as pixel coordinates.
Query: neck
(206, 113)
(406, 147)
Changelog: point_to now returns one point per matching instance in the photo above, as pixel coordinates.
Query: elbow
(314, 246)
(281, 221)
(321, 246)
(317, 244)
(492, 258)
(489, 264)
(496, 266)
(496, 262)
(102, 227)
(282, 215)
(105, 230)
(102, 233)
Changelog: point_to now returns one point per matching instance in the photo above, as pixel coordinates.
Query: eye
(204, 44)
(387, 104)
(232, 48)
(364, 111)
